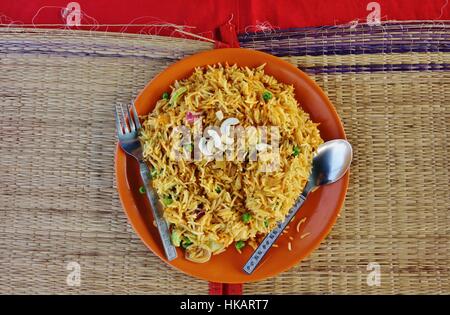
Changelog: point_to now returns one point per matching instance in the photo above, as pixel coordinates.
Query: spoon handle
(270, 239)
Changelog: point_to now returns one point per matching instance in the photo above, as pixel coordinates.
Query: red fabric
(215, 19)
(232, 289)
(301, 13)
(216, 288)
(224, 289)
(228, 36)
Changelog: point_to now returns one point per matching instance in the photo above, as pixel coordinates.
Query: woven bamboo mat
(58, 199)
(391, 87)
(58, 202)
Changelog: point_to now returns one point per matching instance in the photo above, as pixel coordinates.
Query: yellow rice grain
(300, 223)
(304, 235)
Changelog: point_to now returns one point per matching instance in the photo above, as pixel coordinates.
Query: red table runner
(203, 18)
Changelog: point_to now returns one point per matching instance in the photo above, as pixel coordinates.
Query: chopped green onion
(246, 217)
(189, 147)
(215, 246)
(153, 172)
(165, 96)
(142, 190)
(218, 189)
(266, 223)
(239, 244)
(176, 238)
(186, 242)
(296, 151)
(177, 94)
(167, 200)
(267, 95)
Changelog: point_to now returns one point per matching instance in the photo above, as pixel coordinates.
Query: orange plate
(321, 207)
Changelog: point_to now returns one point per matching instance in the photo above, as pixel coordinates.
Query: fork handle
(270, 239)
(157, 210)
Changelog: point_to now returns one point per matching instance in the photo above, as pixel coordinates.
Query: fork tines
(127, 119)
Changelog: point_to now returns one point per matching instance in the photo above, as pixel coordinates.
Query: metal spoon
(330, 163)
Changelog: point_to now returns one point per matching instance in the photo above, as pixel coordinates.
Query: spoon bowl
(330, 163)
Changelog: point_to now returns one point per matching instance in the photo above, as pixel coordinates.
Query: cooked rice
(304, 235)
(300, 223)
(191, 185)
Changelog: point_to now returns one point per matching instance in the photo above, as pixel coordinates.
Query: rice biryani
(211, 203)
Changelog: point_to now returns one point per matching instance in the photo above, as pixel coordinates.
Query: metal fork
(128, 125)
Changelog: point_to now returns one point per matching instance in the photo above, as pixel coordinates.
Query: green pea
(267, 95)
(239, 244)
(246, 217)
(167, 200)
(186, 242)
